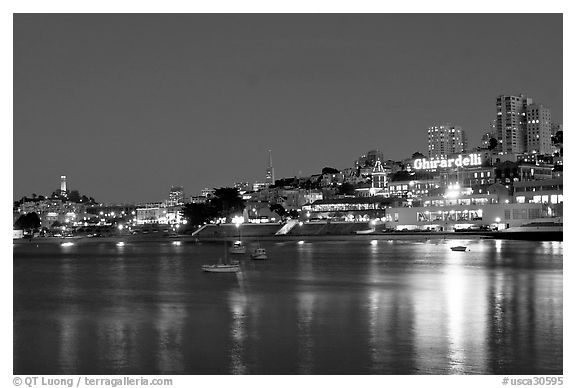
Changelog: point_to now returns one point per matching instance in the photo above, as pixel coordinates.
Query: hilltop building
(446, 139)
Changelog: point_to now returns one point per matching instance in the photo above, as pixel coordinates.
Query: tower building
(446, 139)
(538, 130)
(511, 123)
(63, 184)
(176, 196)
(270, 170)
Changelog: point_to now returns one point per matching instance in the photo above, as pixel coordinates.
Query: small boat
(224, 266)
(459, 249)
(259, 254)
(221, 268)
(238, 248)
(367, 231)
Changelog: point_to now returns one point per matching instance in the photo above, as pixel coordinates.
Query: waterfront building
(158, 213)
(498, 207)
(464, 217)
(538, 130)
(349, 208)
(446, 139)
(510, 172)
(511, 123)
(545, 191)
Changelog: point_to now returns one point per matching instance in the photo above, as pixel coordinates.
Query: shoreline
(421, 236)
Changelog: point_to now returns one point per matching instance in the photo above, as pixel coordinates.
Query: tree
(28, 221)
(417, 155)
(198, 213)
(492, 143)
(558, 138)
(293, 213)
(278, 209)
(227, 202)
(329, 170)
(74, 196)
(346, 188)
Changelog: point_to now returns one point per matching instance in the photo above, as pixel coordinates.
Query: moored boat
(223, 266)
(220, 267)
(542, 230)
(459, 248)
(259, 254)
(238, 248)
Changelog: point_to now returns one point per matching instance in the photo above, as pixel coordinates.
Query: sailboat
(224, 266)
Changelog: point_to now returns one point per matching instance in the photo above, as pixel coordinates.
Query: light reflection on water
(341, 307)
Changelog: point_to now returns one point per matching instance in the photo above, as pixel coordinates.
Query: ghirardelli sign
(460, 161)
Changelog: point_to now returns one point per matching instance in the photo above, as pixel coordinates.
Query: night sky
(128, 105)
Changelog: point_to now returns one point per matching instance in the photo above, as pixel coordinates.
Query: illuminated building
(176, 195)
(349, 209)
(547, 191)
(63, 184)
(538, 130)
(158, 213)
(511, 123)
(446, 139)
(270, 170)
(468, 212)
(379, 178)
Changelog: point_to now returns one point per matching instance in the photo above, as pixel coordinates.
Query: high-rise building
(511, 123)
(270, 170)
(176, 196)
(446, 139)
(63, 183)
(538, 130)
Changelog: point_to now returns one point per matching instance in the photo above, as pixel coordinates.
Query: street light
(238, 220)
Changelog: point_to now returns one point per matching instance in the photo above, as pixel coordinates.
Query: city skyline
(154, 101)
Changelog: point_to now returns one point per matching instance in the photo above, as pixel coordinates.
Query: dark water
(349, 307)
